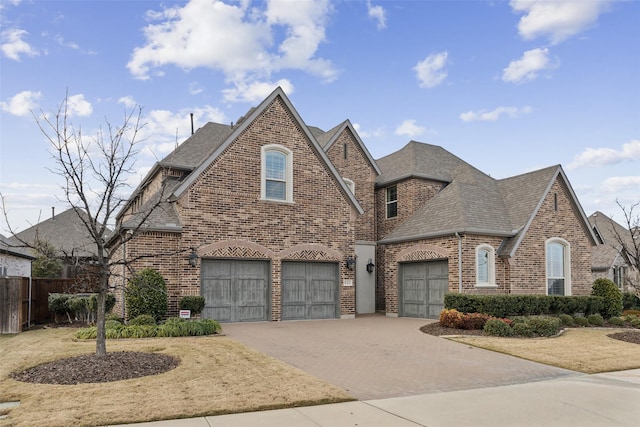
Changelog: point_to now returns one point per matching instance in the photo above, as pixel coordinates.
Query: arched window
(558, 267)
(277, 176)
(485, 266)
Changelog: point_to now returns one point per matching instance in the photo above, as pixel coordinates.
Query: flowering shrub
(451, 318)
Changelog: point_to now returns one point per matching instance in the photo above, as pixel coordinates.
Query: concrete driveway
(378, 357)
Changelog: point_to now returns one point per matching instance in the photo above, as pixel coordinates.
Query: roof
(162, 215)
(607, 254)
(65, 231)
(12, 248)
(327, 139)
(192, 152)
(220, 145)
(471, 201)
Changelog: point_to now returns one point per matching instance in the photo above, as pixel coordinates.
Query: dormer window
(277, 177)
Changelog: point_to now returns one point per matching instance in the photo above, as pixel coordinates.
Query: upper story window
(558, 267)
(392, 202)
(277, 177)
(350, 185)
(485, 266)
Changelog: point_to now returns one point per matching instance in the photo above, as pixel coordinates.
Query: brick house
(271, 219)
(609, 259)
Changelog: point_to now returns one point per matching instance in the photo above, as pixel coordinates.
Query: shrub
(595, 320)
(566, 320)
(616, 321)
(630, 301)
(146, 294)
(143, 319)
(631, 312)
(474, 321)
(497, 328)
(114, 317)
(581, 321)
(522, 329)
(174, 327)
(451, 318)
(193, 303)
(608, 290)
(544, 326)
(632, 320)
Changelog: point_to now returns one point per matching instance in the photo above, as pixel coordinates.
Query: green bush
(544, 326)
(633, 321)
(522, 329)
(630, 301)
(114, 317)
(566, 320)
(193, 303)
(143, 319)
(174, 327)
(608, 290)
(596, 320)
(616, 321)
(497, 328)
(581, 321)
(146, 294)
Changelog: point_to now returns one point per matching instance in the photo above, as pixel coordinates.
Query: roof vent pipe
(191, 123)
(53, 212)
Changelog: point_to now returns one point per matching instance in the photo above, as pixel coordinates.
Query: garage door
(422, 288)
(235, 291)
(310, 290)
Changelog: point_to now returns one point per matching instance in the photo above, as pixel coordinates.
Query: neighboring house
(271, 219)
(67, 233)
(609, 260)
(14, 260)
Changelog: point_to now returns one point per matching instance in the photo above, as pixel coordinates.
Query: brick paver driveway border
(377, 357)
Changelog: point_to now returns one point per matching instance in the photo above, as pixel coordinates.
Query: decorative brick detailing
(311, 252)
(422, 252)
(234, 249)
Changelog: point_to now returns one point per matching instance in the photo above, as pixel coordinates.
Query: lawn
(216, 376)
(587, 350)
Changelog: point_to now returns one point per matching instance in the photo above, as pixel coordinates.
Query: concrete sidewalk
(611, 399)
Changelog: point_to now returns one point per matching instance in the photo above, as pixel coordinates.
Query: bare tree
(629, 244)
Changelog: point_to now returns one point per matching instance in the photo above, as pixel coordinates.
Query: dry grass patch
(587, 350)
(216, 376)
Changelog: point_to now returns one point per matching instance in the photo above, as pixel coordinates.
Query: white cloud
(410, 129)
(606, 156)
(246, 43)
(527, 67)
(22, 103)
(483, 115)
(127, 101)
(376, 133)
(13, 44)
(78, 106)
(617, 184)
(430, 71)
(558, 19)
(255, 91)
(378, 13)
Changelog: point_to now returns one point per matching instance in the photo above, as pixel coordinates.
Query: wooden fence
(14, 300)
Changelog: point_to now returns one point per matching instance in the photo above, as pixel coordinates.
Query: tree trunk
(101, 336)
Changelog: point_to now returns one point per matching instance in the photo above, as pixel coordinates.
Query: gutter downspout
(124, 273)
(29, 317)
(459, 262)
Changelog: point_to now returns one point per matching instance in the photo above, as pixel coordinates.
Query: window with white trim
(558, 267)
(485, 266)
(276, 175)
(392, 202)
(350, 185)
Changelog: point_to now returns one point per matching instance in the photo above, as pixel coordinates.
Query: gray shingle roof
(10, 247)
(606, 254)
(65, 231)
(163, 217)
(195, 149)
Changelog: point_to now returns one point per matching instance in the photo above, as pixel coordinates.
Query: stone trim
(235, 249)
(422, 252)
(311, 252)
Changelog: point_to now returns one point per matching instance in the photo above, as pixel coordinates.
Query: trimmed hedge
(630, 301)
(193, 303)
(523, 305)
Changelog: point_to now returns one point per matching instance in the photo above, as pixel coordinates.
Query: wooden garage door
(422, 288)
(310, 290)
(235, 290)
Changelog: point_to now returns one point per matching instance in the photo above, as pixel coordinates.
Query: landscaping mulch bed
(631, 336)
(90, 368)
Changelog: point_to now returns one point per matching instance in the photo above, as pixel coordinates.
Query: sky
(507, 86)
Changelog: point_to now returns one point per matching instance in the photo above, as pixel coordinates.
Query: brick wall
(528, 273)
(412, 195)
(356, 167)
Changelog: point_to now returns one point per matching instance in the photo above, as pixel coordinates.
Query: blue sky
(508, 86)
